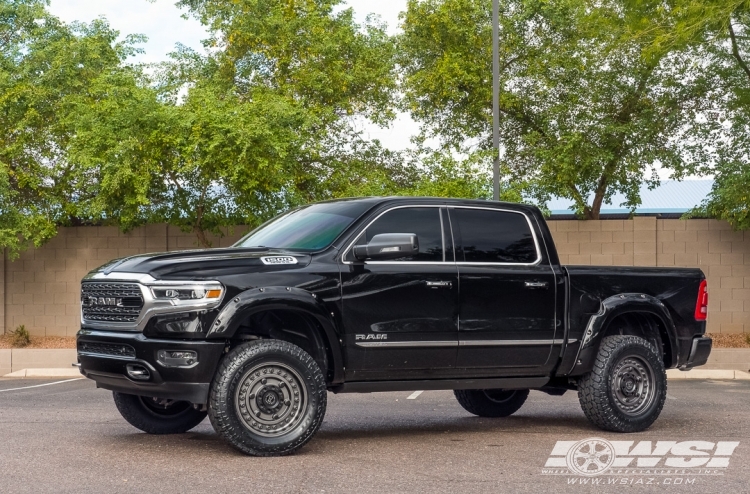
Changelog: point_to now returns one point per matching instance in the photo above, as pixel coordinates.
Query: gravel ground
(68, 437)
(41, 342)
(740, 340)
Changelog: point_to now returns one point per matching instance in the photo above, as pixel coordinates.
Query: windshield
(310, 228)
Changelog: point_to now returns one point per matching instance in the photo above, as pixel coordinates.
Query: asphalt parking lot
(68, 437)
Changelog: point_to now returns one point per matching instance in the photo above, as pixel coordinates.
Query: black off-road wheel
(626, 389)
(491, 402)
(158, 416)
(268, 398)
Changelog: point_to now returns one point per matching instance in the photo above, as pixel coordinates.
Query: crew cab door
(507, 294)
(400, 316)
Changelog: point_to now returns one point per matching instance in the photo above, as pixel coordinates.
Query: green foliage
(305, 51)
(587, 108)
(594, 96)
(46, 72)
(719, 30)
(439, 174)
(20, 337)
(263, 123)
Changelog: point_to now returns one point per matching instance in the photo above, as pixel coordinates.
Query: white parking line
(414, 395)
(40, 385)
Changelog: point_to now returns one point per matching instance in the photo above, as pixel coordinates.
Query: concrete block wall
(711, 245)
(42, 287)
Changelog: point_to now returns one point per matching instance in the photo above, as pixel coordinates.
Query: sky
(162, 22)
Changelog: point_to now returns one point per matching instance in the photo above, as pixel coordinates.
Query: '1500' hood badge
(278, 260)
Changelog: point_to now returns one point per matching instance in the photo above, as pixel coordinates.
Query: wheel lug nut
(263, 381)
(252, 396)
(287, 402)
(257, 414)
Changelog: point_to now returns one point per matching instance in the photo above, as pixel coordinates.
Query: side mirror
(388, 246)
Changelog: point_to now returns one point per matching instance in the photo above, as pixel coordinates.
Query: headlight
(189, 295)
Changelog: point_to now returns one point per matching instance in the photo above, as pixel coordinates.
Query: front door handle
(439, 284)
(535, 284)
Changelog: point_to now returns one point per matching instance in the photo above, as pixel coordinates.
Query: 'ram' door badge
(364, 337)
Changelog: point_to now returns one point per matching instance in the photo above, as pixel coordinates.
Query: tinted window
(425, 222)
(309, 228)
(494, 236)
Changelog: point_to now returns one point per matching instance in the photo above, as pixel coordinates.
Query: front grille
(111, 302)
(108, 349)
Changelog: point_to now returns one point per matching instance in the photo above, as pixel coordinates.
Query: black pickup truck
(383, 294)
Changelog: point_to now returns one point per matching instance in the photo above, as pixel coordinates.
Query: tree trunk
(202, 239)
(596, 204)
(591, 214)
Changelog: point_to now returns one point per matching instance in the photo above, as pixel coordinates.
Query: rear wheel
(158, 416)
(491, 402)
(626, 389)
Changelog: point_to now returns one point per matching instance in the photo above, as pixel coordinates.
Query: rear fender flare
(623, 303)
(256, 300)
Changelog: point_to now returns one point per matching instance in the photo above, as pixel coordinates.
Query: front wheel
(626, 389)
(491, 402)
(158, 416)
(268, 398)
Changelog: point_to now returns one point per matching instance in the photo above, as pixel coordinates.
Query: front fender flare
(256, 300)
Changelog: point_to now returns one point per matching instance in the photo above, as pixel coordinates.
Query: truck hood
(205, 263)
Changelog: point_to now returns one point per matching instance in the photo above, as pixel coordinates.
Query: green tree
(46, 70)
(261, 124)
(719, 30)
(264, 122)
(587, 109)
(309, 51)
(210, 161)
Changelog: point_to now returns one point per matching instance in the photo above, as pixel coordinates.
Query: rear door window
(487, 236)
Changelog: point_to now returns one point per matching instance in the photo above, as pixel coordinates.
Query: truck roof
(375, 200)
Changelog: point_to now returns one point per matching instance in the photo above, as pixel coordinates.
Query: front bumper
(113, 371)
(699, 352)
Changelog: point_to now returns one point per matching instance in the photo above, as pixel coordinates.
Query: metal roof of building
(671, 197)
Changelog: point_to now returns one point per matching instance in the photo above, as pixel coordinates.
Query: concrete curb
(707, 374)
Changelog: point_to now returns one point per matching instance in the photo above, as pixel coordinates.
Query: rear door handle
(439, 284)
(535, 284)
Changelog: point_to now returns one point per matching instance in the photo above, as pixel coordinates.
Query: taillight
(701, 305)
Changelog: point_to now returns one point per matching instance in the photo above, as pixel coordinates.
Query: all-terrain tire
(491, 402)
(158, 416)
(626, 389)
(268, 398)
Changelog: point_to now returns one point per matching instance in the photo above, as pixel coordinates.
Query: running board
(438, 384)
